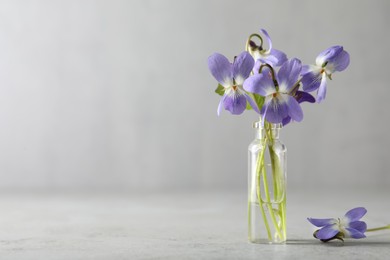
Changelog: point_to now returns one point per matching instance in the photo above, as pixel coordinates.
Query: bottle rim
(259, 125)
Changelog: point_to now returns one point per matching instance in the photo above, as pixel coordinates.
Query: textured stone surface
(176, 225)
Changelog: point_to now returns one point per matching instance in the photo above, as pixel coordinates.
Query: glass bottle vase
(267, 186)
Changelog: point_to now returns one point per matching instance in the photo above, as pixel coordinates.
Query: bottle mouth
(259, 125)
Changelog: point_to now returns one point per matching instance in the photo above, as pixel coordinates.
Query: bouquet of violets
(264, 80)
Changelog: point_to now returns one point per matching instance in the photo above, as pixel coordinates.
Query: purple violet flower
(327, 62)
(279, 102)
(349, 226)
(271, 56)
(231, 77)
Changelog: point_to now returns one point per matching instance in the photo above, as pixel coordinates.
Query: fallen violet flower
(349, 226)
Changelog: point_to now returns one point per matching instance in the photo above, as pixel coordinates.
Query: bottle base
(266, 242)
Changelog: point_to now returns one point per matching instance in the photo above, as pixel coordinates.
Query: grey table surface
(178, 225)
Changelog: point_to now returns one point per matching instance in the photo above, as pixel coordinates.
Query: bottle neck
(267, 130)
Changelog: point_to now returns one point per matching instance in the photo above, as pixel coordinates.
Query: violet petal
(328, 54)
(235, 103)
(355, 214)
(358, 225)
(256, 67)
(220, 105)
(307, 68)
(311, 80)
(321, 222)
(279, 57)
(286, 120)
(327, 232)
(242, 67)
(302, 96)
(353, 233)
(294, 109)
(288, 74)
(264, 108)
(221, 69)
(274, 58)
(268, 39)
(322, 89)
(340, 62)
(277, 110)
(261, 84)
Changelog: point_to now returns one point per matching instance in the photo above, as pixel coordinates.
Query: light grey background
(117, 94)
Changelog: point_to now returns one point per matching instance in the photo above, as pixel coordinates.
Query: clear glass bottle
(267, 186)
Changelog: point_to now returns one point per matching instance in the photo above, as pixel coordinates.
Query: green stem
(274, 167)
(250, 38)
(270, 208)
(274, 164)
(277, 184)
(378, 228)
(268, 199)
(259, 167)
(295, 87)
(266, 190)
